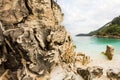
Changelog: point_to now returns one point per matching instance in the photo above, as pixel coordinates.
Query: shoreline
(98, 36)
(103, 63)
(113, 37)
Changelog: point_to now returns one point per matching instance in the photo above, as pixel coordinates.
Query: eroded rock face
(96, 71)
(84, 73)
(109, 52)
(90, 73)
(81, 57)
(13, 11)
(32, 41)
(113, 74)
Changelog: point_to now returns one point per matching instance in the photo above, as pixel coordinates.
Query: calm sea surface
(94, 47)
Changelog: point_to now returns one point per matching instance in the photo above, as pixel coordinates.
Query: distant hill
(109, 30)
(82, 35)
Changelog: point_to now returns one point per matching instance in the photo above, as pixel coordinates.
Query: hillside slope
(110, 30)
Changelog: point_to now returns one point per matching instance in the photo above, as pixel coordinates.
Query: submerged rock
(109, 52)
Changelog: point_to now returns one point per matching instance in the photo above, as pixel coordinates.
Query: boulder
(109, 52)
(81, 57)
(113, 74)
(96, 71)
(84, 73)
(90, 73)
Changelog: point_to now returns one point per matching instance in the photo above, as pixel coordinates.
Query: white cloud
(82, 16)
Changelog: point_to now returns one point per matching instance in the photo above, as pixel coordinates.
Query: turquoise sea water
(94, 47)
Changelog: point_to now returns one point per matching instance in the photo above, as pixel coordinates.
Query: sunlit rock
(109, 52)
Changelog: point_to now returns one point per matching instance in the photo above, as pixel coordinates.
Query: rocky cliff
(32, 40)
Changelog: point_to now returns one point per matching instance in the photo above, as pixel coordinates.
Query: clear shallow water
(94, 47)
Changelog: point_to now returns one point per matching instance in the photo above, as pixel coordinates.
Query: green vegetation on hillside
(112, 29)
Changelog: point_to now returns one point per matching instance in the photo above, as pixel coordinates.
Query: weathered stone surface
(32, 40)
(109, 52)
(84, 73)
(96, 71)
(13, 11)
(90, 73)
(113, 74)
(81, 57)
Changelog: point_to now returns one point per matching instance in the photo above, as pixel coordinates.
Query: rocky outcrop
(82, 58)
(113, 74)
(96, 71)
(109, 52)
(90, 73)
(84, 73)
(32, 41)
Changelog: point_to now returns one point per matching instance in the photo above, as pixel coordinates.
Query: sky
(83, 16)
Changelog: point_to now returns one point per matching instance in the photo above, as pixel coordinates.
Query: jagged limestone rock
(113, 74)
(13, 11)
(84, 73)
(32, 40)
(81, 57)
(95, 71)
(109, 52)
(90, 73)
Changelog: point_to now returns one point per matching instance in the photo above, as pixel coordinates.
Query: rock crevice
(32, 40)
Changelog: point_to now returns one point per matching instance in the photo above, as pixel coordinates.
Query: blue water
(94, 46)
